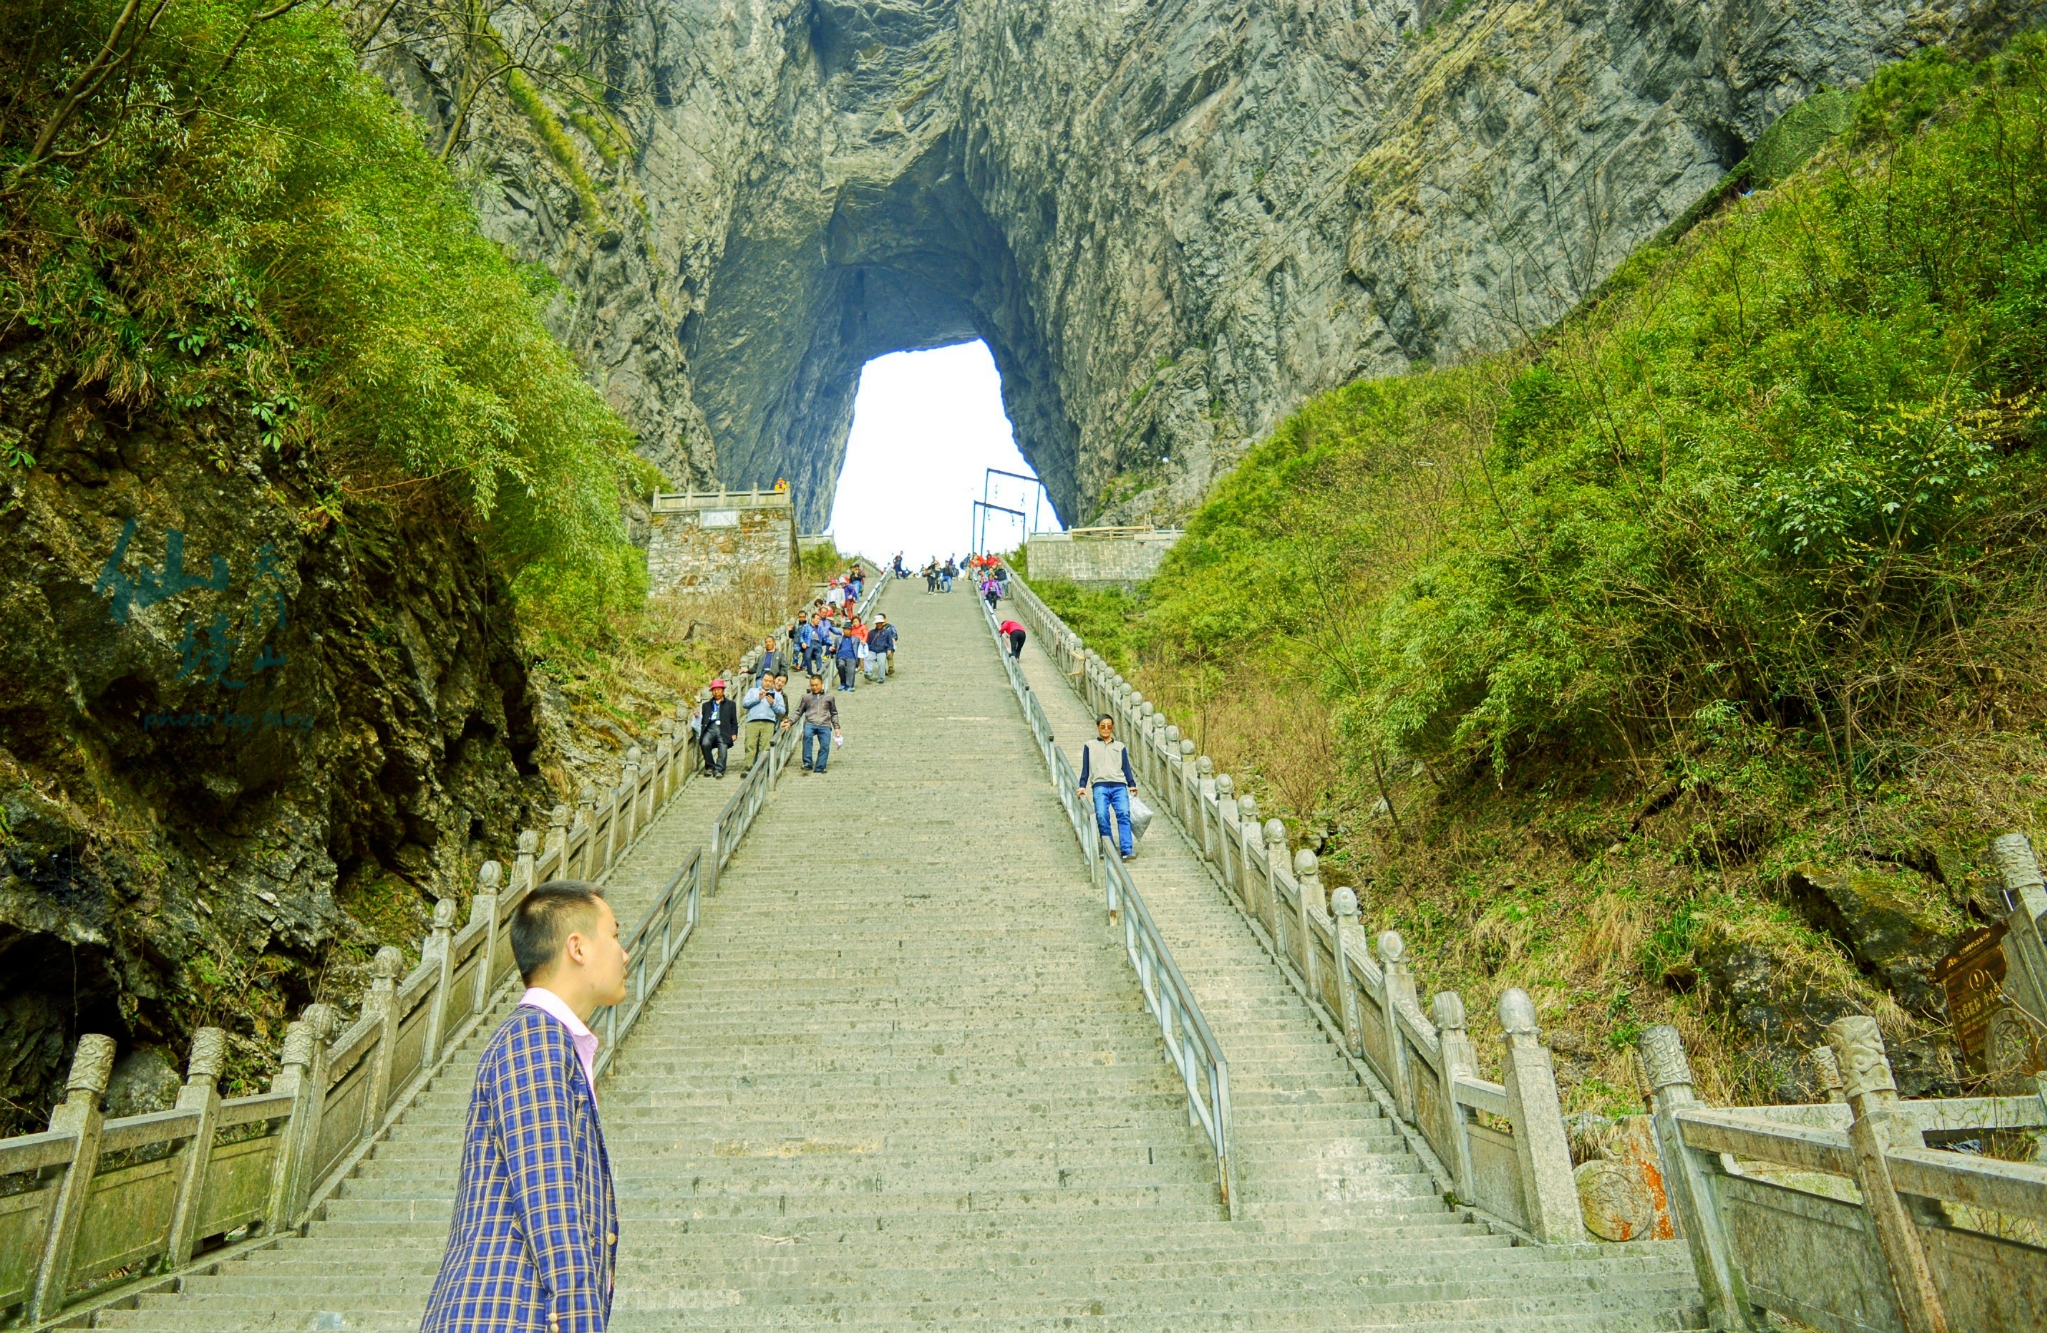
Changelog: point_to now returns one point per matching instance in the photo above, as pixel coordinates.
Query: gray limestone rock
(1171, 223)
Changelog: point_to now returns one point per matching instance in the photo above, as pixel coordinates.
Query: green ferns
(241, 217)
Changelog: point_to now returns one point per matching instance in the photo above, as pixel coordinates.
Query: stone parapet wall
(705, 543)
(1080, 558)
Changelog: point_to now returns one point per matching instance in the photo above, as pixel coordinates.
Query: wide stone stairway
(904, 1076)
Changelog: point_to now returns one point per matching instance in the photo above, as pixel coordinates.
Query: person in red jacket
(1016, 637)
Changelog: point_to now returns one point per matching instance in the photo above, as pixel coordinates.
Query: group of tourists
(938, 577)
(828, 640)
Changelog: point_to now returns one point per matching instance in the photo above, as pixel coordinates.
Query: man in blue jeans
(1105, 765)
(818, 713)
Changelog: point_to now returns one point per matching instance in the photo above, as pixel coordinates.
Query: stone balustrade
(1844, 1215)
(1499, 1147)
(108, 1208)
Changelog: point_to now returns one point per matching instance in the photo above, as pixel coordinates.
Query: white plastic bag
(1140, 819)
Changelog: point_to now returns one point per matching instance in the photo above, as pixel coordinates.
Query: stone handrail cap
(588, 794)
(1205, 766)
(320, 1020)
(1517, 1012)
(488, 876)
(1186, 748)
(1148, 709)
(1663, 1058)
(1448, 1010)
(1137, 700)
(529, 840)
(1344, 902)
(1392, 948)
(387, 964)
(298, 1044)
(2016, 864)
(1225, 785)
(632, 754)
(209, 1055)
(1173, 737)
(92, 1064)
(559, 816)
(1247, 811)
(1275, 834)
(444, 913)
(1306, 864)
(1858, 1046)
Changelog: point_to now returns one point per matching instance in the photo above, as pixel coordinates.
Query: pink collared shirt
(547, 1002)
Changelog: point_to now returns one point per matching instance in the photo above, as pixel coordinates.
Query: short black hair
(1104, 717)
(545, 919)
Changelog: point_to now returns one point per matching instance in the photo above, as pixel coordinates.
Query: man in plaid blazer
(535, 1231)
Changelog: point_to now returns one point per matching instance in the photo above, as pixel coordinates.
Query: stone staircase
(903, 1076)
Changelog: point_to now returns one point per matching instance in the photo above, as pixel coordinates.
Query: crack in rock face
(1170, 222)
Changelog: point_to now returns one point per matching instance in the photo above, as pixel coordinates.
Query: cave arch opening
(927, 426)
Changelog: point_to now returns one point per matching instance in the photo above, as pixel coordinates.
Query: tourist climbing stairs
(903, 1074)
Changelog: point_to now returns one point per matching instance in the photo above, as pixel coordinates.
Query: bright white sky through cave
(925, 425)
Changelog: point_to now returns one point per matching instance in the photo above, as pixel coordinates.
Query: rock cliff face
(1171, 221)
(239, 745)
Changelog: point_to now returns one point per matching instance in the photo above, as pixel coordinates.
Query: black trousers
(1016, 642)
(716, 748)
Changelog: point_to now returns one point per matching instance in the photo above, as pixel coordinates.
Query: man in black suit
(717, 729)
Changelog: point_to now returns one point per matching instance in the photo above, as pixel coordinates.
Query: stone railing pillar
(1169, 773)
(525, 862)
(483, 906)
(201, 1094)
(1188, 785)
(586, 820)
(1828, 1071)
(1308, 876)
(1858, 1049)
(1253, 838)
(1204, 808)
(1537, 1115)
(664, 768)
(1275, 859)
(381, 1005)
(558, 835)
(2018, 872)
(630, 781)
(294, 1077)
(1227, 818)
(1344, 905)
(1688, 1179)
(1400, 994)
(1459, 1057)
(80, 1116)
(439, 950)
(1147, 740)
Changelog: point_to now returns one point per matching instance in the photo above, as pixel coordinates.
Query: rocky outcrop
(1170, 221)
(240, 745)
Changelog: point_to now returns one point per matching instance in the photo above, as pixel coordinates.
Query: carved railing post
(1251, 837)
(613, 820)
(1275, 858)
(664, 768)
(1689, 1177)
(1828, 1070)
(1399, 993)
(381, 1006)
(438, 950)
(525, 862)
(201, 1094)
(1225, 820)
(79, 1115)
(484, 907)
(1308, 878)
(1344, 904)
(586, 822)
(1169, 774)
(2019, 872)
(1537, 1114)
(1147, 740)
(294, 1077)
(631, 783)
(1459, 1057)
(558, 837)
(1188, 784)
(1204, 807)
(1878, 1128)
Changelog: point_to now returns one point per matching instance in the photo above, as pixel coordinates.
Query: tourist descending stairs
(903, 1076)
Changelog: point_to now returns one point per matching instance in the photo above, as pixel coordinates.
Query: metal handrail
(1190, 1043)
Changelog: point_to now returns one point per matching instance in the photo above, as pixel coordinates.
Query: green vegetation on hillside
(207, 206)
(1569, 655)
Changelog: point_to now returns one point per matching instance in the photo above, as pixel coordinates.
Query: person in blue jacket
(848, 655)
(881, 649)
